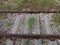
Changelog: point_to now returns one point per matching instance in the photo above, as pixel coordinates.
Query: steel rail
(10, 11)
(31, 36)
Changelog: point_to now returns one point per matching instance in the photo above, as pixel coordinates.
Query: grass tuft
(31, 22)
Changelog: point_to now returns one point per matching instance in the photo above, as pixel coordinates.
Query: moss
(31, 22)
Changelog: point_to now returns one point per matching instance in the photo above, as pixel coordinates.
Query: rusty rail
(30, 36)
(9, 11)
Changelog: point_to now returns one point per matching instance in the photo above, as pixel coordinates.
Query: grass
(56, 18)
(31, 22)
(19, 4)
(8, 24)
(5, 6)
(29, 5)
(42, 2)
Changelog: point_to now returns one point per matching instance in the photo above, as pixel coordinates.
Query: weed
(19, 4)
(31, 22)
(42, 2)
(8, 24)
(5, 6)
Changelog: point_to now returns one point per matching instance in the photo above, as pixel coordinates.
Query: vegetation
(4, 6)
(3, 16)
(42, 2)
(27, 4)
(8, 24)
(56, 18)
(19, 4)
(31, 22)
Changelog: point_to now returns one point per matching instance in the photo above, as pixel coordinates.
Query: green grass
(56, 18)
(28, 4)
(4, 5)
(31, 22)
(19, 4)
(8, 24)
(42, 2)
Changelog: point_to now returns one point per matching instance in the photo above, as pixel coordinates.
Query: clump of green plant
(8, 24)
(3, 16)
(56, 19)
(31, 22)
(42, 2)
(5, 6)
(19, 4)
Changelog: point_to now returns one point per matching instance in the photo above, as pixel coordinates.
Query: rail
(10, 11)
(30, 36)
